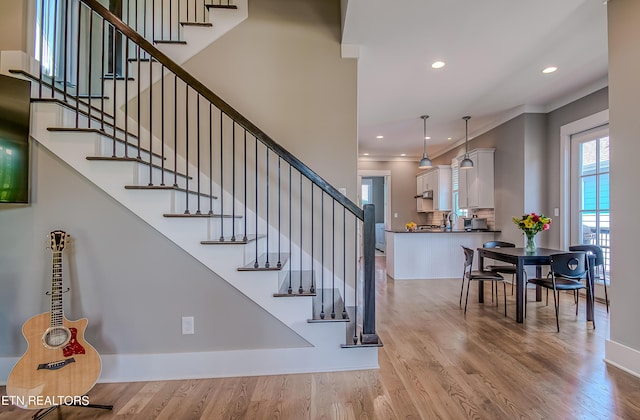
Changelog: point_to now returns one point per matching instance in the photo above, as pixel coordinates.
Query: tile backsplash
(437, 217)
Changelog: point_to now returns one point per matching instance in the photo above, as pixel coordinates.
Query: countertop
(442, 231)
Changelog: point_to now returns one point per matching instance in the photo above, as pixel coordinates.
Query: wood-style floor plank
(436, 363)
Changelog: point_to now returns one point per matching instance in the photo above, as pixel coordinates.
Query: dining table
(521, 258)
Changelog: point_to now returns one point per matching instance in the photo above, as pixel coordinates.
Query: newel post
(368, 335)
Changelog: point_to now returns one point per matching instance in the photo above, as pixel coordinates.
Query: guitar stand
(44, 411)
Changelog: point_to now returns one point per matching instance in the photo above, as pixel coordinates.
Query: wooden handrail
(227, 109)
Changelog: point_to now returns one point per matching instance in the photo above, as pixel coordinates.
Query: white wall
(132, 283)
(623, 348)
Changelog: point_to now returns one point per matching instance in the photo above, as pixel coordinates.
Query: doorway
(374, 187)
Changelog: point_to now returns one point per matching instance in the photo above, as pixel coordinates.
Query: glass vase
(530, 246)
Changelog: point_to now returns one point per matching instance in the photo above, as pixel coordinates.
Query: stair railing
(163, 20)
(219, 165)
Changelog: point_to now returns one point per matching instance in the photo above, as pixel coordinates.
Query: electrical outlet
(188, 325)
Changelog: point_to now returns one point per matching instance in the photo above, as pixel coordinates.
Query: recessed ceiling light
(403, 154)
(428, 138)
(549, 69)
(437, 64)
(449, 138)
(379, 137)
(366, 154)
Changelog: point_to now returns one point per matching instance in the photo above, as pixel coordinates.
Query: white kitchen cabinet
(476, 185)
(437, 180)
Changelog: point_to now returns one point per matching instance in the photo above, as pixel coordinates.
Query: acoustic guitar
(59, 366)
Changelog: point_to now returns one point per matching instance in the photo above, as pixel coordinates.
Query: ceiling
(494, 52)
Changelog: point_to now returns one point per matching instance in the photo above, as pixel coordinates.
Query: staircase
(166, 147)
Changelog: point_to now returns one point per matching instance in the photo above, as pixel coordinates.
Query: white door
(590, 211)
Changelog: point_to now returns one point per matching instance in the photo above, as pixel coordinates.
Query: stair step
(239, 240)
(95, 116)
(168, 187)
(273, 258)
(134, 159)
(323, 314)
(206, 215)
(116, 77)
(204, 24)
(143, 60)
(96, 96)
(169, 41)
(221, 6)
(350, 331)
(308, 281)
(97, 131)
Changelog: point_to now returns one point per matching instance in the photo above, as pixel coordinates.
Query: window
(56, 39)
(455, 186)
(590, 210)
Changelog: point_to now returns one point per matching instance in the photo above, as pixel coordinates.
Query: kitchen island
(431, 253)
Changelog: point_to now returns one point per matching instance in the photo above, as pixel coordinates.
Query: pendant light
(466, 162)
(425, 162)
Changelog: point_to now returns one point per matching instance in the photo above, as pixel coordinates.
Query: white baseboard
(622, 357)
(222, 364)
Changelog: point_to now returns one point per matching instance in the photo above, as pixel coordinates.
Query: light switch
(188, 325)
(395, 215)
(556, 212)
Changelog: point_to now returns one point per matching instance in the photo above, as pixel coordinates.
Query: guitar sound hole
(56, 337)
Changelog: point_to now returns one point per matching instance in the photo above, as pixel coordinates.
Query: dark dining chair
(478, 275)
(501, 268)
(599, 261)
(567, 272)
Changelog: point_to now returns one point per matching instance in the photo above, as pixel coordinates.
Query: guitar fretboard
(57, 314)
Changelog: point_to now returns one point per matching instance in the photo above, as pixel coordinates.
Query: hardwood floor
(435, 364)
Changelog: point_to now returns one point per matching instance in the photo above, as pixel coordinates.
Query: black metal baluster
(244, 238)
(115, 84)
(126, 96)
(170, 19)
(89, 71)
(153, 22)
(102, 78)
(150, 121)
(221, 180)
(78, 41)
(139, 156)
(290, 289)
(333, 259)
(266, 263)
(144, 21)
(300, 289)
(54, 54)
(355, 285)
(162, 168)
(344, 263)
(313, 286)
(178, 22)
(255, 264)
(175, 130)
(210, 158)
(279, 264)
(233, 181)
(66, 52)
(322, 253)
(42, 29)
(186, 146)
(198, 151)
(162, 18)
